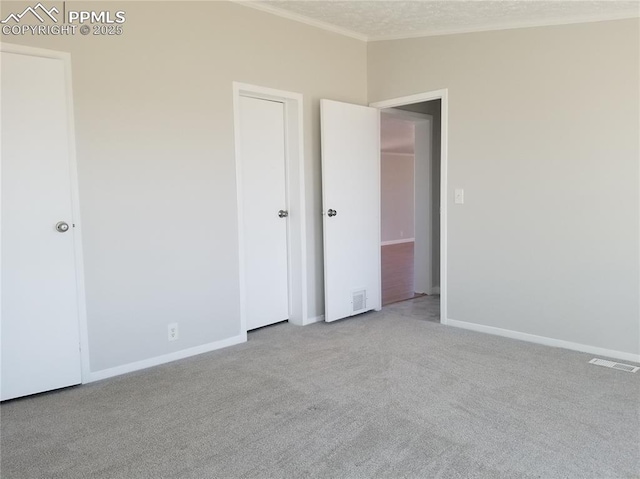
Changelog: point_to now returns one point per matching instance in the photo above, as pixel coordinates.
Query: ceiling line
(302, 19)
(510, 26)
(265, 7)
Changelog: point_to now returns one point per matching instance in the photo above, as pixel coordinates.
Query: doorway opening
(351, 191)
(413, 184)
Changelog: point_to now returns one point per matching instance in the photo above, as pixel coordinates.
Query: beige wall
(544, 138)
(154, 127)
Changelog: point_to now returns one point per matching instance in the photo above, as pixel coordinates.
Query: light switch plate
(459, 196)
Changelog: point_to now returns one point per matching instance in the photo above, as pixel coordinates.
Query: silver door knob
(332, 213)
(62, 227)
(283, 214)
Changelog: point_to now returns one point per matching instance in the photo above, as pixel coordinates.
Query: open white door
(351, 208)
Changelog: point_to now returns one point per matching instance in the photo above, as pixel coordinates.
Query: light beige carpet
(380, 395)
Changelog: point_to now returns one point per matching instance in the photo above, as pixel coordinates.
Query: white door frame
(75, 196)
(295, 194)
(442, 95)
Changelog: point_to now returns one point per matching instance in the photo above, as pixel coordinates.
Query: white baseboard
(165, 358)
(316, 319)
(403, 240)
(556, 343)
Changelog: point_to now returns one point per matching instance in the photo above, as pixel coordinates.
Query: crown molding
(266, 7)
(263, 6)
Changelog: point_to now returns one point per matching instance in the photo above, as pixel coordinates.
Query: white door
(263, 211)
(351, 203)
(39, 322)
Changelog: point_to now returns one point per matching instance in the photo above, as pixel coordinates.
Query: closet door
(263, 211)
(39, 324)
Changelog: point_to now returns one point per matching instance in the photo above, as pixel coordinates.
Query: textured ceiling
(375, 20)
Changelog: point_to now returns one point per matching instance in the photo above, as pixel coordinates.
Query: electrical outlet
(173, 331)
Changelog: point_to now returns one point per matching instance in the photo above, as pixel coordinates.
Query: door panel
(262, 156)
(40, 332)
(351, 189)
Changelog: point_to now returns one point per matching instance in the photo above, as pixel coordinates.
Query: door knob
(283, 214)
(62, 227)
(332, 213)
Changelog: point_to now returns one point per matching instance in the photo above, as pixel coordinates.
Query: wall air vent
(359, 301)
(613, 365)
